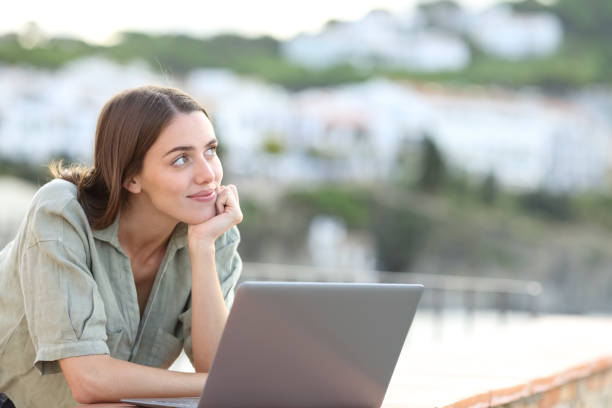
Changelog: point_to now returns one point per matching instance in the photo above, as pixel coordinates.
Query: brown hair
(128, 125)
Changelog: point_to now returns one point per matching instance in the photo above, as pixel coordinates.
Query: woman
(116, 268)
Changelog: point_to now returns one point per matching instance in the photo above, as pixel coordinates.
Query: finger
(227, 201)
(238, 212)
(234, 190)
(232, 195)
(221, 200)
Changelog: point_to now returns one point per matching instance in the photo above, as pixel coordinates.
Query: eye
(181, 160)
(211, 151)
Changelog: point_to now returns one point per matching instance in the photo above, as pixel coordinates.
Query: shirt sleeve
(64, 310)
(229, 269)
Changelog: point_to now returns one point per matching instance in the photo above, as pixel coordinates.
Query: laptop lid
(298, 344)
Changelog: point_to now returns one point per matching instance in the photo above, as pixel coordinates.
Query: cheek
(219, 171)
(167, 185)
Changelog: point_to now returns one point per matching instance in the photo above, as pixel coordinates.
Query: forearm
(208, 309)
(101, 378)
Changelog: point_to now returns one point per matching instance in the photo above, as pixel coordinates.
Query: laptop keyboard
(187, 402)
(181, 404)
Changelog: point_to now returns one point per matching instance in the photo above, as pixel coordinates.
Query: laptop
(306, 344)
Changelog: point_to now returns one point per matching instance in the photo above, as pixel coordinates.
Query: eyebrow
(187, 148)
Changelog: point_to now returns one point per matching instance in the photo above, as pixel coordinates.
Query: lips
(204, 195)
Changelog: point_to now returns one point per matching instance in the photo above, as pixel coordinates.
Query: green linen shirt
(67, 290)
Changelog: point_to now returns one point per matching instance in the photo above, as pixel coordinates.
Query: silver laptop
(298, 344)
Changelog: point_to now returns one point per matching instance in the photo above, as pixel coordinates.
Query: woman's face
(181, 171)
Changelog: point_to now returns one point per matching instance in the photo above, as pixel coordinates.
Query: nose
(204, 172)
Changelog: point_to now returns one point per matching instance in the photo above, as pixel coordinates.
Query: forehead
(189, 129)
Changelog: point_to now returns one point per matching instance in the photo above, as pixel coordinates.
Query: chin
(198, 219)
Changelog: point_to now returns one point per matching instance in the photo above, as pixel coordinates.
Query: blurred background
(461, 144)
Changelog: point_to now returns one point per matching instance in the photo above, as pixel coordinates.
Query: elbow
(86, 378)
(86, 389)
(202, 364)
(202, 368)
(82, 397)
(82, 394)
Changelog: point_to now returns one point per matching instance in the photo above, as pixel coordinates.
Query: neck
(143, 232)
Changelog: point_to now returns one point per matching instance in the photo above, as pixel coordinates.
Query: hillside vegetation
(584, 58)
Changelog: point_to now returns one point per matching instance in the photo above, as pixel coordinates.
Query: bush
(553, 206)
(400, 233)
(352, 205)
(489, 189)
(433, 170)
(273, 145)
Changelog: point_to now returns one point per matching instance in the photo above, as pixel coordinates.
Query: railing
(441, 291)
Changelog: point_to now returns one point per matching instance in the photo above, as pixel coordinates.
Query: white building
(351, 132)
(405, 41)
(526, 140)
(44, 112)
(354, 132)
(515, 36)
(396, 41)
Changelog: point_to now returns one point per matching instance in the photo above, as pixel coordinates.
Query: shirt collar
(110, 234)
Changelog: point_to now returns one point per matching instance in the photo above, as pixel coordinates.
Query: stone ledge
(513, 363)
(590, 381)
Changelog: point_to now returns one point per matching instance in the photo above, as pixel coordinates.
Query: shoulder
(54, 210)
(56, 193)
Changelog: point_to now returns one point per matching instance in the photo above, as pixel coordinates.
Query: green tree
(406, 164)
(585, 18)
(350, 203)
(433, 170)
(557, 207)
(592, 18)
(399, 233)
(490, 189)
(274, 143)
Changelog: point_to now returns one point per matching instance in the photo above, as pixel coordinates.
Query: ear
(132, 185)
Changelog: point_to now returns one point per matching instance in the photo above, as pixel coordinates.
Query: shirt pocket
(166, 348)
(114, 341)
